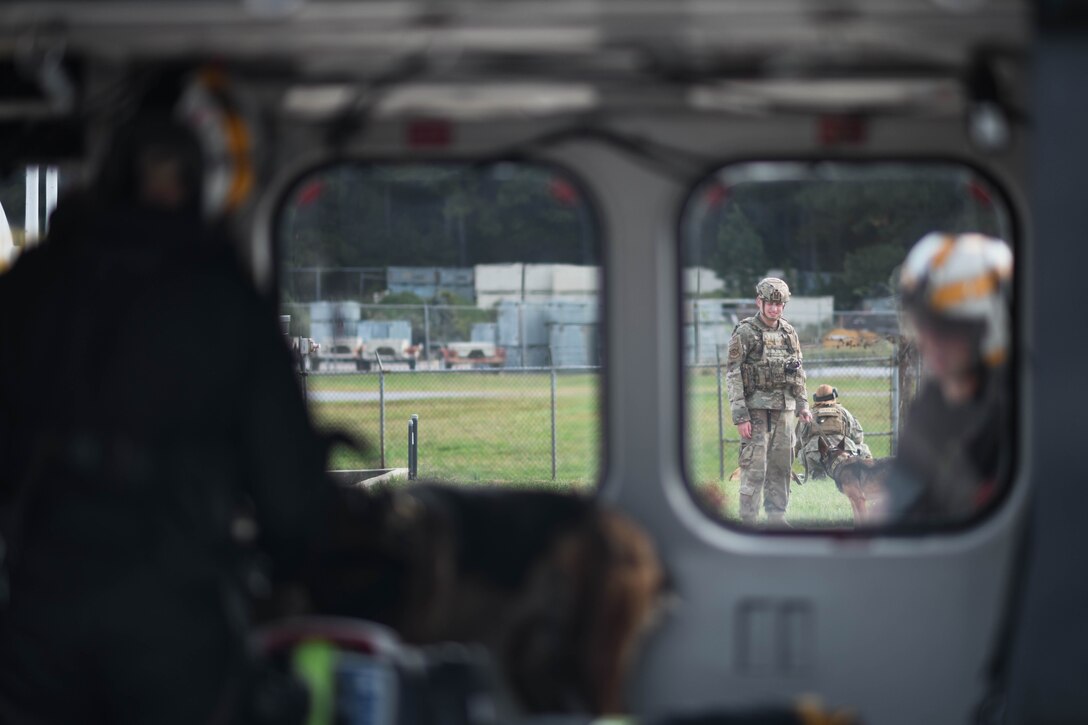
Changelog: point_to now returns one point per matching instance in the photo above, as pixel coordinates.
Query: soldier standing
(832, 422)
(766, 388)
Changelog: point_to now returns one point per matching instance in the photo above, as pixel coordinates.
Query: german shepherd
(557, 587)
(862, 480)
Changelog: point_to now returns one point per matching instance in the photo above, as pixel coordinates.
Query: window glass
(894, 338)
(27, 199)
(464, 294)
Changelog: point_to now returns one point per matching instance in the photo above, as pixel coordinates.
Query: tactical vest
(774, 362)
(828, 421)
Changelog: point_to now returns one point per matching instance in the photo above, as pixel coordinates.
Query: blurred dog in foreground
(557, 587)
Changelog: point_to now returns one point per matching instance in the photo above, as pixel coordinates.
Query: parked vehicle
(474, 354)
(392, 349)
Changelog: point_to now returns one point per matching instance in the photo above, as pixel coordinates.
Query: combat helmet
(825, 395)
(772, 289)
(961, 280)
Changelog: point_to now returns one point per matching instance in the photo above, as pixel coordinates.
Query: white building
(535, 283)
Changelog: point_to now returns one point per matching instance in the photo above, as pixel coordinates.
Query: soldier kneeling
(832, 422)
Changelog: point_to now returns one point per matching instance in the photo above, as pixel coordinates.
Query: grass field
(818, 503)
(498, 430)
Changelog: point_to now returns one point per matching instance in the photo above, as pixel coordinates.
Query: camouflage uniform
(833, 422)
(766, 385)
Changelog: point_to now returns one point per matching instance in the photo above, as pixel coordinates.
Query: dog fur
(557, 587)
(862, 480)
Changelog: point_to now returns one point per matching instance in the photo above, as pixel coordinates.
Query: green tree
(455, 319)
(839, 228)
(739, 254)
(435, 215)
(866, 273)
(400, 306)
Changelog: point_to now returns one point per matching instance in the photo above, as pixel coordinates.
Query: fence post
(304, 374)
(521, 320)
(907, 373)
(721, 418)
(553, 418)
(695, 322)
(426, 333)
(381, 407)
(894, 409)
(413, 447)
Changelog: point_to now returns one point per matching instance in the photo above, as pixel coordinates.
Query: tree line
(843, 237)
(837, 229)
(829, 232)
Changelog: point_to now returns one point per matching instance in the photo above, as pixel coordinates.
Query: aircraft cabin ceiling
(616, 36)
(534, 57)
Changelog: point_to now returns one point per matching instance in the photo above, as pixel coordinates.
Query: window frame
(898, 530)
(288, 184)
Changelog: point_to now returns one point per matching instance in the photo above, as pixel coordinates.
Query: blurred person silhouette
(956, 446)
(146, 398)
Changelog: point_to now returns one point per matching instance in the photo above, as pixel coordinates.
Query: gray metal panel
(411, 276)
(373, 329)
(536, 356)
(325, 331)
(321, 310)
(536, 324)
(532, 318)
(327, 311)
(574, 344)
(425, 292)
(713, 339)
(484, 332)
(450, 277)
(918, 594)
(507, 325)
(709, 311)
(385, 329)
(399, 329)
(1050, 656)
(571, 312)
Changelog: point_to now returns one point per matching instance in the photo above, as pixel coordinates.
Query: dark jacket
(953, 459)
(146, 397)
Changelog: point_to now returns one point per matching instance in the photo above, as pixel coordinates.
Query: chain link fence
(875, 384)
(497, 419)
(532, 426)
(510, 334)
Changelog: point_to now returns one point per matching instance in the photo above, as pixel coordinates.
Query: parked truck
(390, 339)
(391, 349)
(473, 354)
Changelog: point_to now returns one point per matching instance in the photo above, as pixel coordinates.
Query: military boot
(777, 520)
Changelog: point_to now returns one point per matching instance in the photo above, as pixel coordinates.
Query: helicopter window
(897, 284)
(28, 196)
(465, 294)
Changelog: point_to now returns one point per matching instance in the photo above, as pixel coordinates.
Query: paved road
(360, 396)
(861, 371)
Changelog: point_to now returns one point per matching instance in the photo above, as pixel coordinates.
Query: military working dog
(862, 480)
(556, 586)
